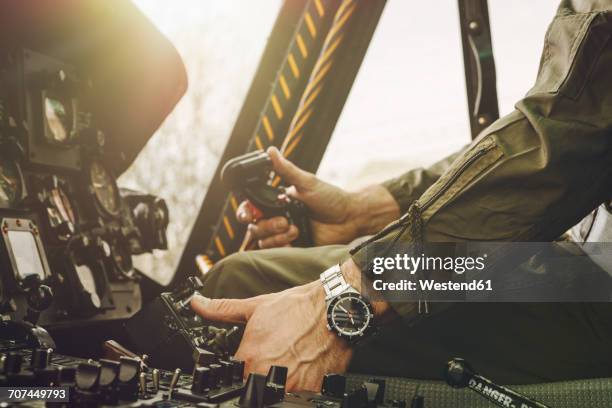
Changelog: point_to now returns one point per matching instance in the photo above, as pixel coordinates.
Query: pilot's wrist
(353, 276)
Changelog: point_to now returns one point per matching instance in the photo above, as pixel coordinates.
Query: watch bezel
(332, 326)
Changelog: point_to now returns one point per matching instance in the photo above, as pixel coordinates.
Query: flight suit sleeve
(533, 173)
(408, 187)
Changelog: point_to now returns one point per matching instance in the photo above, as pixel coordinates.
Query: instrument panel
(11, 182)
(67, 233)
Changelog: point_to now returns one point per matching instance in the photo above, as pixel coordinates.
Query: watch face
(349, 315)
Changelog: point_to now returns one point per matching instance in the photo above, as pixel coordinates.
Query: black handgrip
(459, 374)
(249, 175)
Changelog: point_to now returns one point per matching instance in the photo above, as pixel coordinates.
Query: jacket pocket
(463, 171)
(572, 45)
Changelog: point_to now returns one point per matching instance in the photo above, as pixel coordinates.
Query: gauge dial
(61, 202)
(58, 118)
(123, 259)
(88, 282)
(104, 188)
(11, 184)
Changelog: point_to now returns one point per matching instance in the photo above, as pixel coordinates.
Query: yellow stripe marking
(268, 127)
(302, 46)
(339, 23)
(310, 24)
(285, 88)
(234, 203)
(296, 128)
(315, 81)
(276, 181)
(293, 65)
(258, 143)
(220, 246)
(228, 227)
(308, 101)
(277, 107)
(343, 7)
(329, 50)
(293, 145)
(320, 8)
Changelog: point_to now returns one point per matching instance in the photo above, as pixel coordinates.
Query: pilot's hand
(332, 210)
(289, 329)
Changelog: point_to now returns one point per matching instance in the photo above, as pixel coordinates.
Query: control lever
(112, 350)
(459, 374)
(39, 297)
(249, 175)
(185, 293)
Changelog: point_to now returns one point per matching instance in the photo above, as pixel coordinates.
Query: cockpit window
(409, 98)
(221, 43)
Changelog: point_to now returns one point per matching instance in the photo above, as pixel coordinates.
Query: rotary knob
(201, 380)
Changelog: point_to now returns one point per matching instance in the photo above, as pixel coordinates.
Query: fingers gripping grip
(249, 175)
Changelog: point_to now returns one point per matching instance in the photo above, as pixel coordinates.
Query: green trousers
(510, 343)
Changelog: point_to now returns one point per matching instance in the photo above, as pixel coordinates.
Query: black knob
(277, 375)
(66, 376)
(238, 370)
(418, 402)
(203, 357)
(216, 372)
(275, 385)
(88, 377)
(458, 373)
(201, 380)
(252, 396)
(356, 399)
(12, 363)
(40, 298)
(227, 373)
(334, 385)
(129, 370)
(40, 358)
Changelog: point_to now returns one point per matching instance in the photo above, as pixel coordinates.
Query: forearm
(371, 209)
(375, 206)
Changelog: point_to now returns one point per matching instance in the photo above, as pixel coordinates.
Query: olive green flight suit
(530, 176)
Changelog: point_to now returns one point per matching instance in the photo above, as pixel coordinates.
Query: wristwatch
(349, 314)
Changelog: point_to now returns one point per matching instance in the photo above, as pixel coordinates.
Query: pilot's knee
(230, 278)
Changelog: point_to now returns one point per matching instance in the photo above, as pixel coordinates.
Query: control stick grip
(459, 374)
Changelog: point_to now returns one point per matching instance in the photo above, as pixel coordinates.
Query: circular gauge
(11, 183)
(104, 189)
(88, 282)
(61, 202)
(58, 118)
(123, 259)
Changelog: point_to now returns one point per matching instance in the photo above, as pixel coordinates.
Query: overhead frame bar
(479, 64)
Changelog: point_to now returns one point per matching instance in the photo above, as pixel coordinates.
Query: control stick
(459, 374)
(39, 297)
(249, 175)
